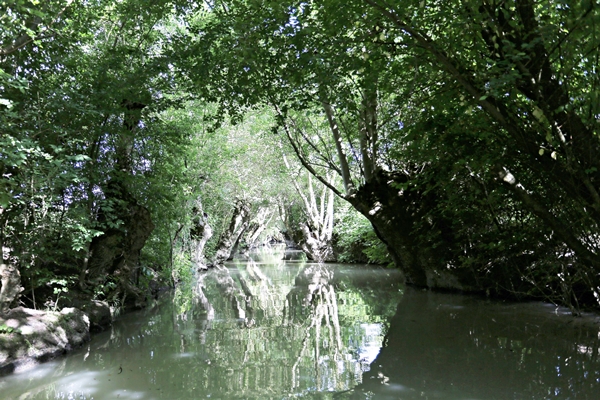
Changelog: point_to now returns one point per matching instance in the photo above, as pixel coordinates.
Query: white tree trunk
(229, 237)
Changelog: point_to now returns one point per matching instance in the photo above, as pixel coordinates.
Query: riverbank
(29, 337)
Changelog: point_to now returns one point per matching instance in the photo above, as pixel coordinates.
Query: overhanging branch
(303, 161)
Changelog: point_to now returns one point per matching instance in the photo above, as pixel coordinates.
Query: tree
(314, 233)
(80, 84)
(527, 66)
(464, 132)
(503, 90)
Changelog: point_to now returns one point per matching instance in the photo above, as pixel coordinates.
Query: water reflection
(443, 346)
(282, 329)
(252, 330)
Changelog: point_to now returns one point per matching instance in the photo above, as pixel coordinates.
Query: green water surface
(276, 329)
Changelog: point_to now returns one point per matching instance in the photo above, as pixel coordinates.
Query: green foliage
(66, 72)
(183, 298)
(457, 94)
(179, 103)
(356, 240)
(102, 290)
(211, 165)
(4, 329)
(183, 277)
(182, 269)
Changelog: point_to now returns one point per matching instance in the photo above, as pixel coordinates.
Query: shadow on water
(443, 346)
(274, 329)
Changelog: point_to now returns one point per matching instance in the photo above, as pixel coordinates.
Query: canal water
(274, 329)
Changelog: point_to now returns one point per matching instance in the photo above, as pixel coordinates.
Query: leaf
(7, 103)
(5, 199)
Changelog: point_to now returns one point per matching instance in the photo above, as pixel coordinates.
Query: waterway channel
(274, 329)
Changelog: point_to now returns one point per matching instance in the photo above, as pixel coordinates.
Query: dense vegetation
(135, 134)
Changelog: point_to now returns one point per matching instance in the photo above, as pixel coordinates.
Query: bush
(355, 240)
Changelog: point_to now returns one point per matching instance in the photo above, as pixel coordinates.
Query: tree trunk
(396, 215)
(200, 233)
(315, 234)
(257, 227)
(11, 286)
(315, 248)
(229, 237)
(236, 243)
(116, 252)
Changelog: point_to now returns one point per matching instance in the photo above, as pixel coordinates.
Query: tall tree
(80, 83)
(434, 109)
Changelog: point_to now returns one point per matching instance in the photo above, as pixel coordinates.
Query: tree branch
(303, 161)
(542, 212)
(25, 39)
(348, 184)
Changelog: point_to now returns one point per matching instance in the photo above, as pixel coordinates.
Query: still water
(274, 329)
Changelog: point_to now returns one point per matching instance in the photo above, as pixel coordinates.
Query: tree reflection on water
(291, 328)
(281, 329)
